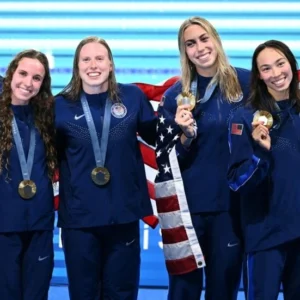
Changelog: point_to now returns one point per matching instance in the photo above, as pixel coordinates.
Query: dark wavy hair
(260, 98)
(43, 109)
(74, 87)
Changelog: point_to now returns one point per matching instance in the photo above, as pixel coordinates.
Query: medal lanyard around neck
(99, 153)
(26, 166)
(208, 92)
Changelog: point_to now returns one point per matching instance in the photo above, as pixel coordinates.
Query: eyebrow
(201, 36)
(279, 59)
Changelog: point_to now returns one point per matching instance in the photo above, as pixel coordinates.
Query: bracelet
(189, 137)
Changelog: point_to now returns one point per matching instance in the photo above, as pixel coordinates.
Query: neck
(19, 102)
(209, 72)
(281, 95)
(91, 90)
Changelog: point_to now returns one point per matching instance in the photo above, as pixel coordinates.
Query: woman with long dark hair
(264, 168)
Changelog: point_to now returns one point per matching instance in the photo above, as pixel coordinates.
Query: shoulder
(173, 90)
(130, 89)
(243, 75)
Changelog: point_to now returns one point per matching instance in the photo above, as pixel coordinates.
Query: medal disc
(263, 116)
(100, 176)
(27, 189)
(186, 98)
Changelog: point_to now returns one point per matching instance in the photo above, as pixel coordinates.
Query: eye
(190, 44)
(265, 69)
(85, 59)
(22, 73)
(204, 39)
(281, 64)
(37, 78)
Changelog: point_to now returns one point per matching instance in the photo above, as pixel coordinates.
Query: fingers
(260, 132)
(183, 117)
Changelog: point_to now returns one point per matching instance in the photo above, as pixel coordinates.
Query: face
(26, 80)
(94, 68)
(275, 71)
(200, 50)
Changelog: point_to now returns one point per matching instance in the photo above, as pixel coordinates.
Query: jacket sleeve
(147, 120)
(249, 163)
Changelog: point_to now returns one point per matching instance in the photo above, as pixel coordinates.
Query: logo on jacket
(78, 117)
(119, 110)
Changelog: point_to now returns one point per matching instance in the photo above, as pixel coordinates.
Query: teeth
(93, 74)
(279, 82)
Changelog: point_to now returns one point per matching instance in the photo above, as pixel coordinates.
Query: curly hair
(74, 87)
(43, 109)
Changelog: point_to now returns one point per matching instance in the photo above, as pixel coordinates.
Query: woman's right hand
(260, 134)
(184, 118)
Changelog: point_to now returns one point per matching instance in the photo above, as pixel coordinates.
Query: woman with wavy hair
(199, 214)
(27, 163)
(103, 188)
(264, 168)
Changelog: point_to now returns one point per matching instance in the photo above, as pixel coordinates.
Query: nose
(276, 72)
(199, 46)
(28, 81)
(93, 64)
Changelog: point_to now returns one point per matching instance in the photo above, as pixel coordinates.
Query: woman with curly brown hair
(27, 163)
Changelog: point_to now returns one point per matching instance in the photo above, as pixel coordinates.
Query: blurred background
(143, 39)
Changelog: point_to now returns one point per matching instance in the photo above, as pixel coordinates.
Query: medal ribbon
(99, 153)
(208, 92)
(26, 166)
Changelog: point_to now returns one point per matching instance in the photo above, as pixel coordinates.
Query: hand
(184, 118)
(260, 134)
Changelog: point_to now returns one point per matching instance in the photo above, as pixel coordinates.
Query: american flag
(181, 248)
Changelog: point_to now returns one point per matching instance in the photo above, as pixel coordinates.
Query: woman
(264, 167)
(192, 155)
(103, 190)
(27, 163)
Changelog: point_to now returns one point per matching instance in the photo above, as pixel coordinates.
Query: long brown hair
(225, 77)
(74, 87)
(43, 110)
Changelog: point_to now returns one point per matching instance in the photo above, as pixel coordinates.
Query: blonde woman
(192, 156)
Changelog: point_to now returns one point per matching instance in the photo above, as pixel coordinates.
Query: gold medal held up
(27, 189)
(100, 176)
(186, 98)
(263, 116)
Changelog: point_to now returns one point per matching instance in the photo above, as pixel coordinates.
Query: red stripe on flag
(155, 92)
(151, 189)
(181, 266)
(148, 155)
(174, 235)
(167, 204)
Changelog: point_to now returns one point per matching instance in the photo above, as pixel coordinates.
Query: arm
(249, 161)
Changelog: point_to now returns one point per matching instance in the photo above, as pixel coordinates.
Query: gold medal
(186, 98)
(27, 189)
(263, 116)
(100, 175)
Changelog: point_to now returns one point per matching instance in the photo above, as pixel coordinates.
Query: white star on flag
(170, 129)
(162, 119)
(167, 169)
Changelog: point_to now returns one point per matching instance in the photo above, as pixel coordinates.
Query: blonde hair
(225, 76)
(73, 90)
